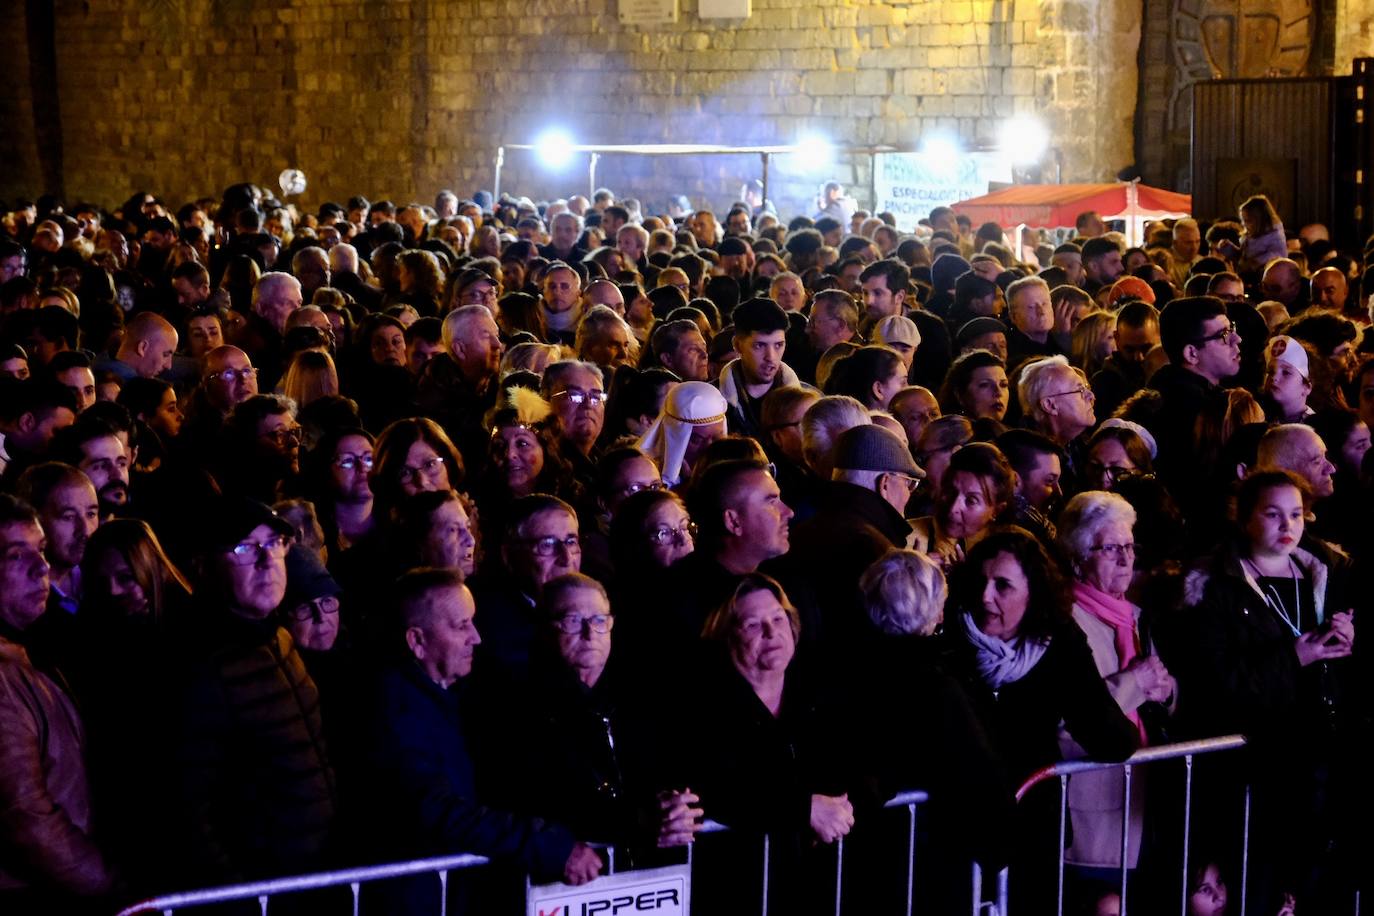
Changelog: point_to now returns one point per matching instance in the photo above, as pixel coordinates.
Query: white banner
(661, 891)
(910, 185)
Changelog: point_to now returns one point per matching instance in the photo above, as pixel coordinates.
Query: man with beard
(760, 339)
(95, 447)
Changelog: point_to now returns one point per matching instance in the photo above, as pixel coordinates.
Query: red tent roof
(1050, 206)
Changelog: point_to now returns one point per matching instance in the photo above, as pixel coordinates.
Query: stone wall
(21, 173)
(397, 98)
(1354, 32)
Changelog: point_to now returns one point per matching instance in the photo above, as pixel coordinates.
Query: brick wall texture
(397, 98)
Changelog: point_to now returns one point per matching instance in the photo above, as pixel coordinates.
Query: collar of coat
(1230, 565)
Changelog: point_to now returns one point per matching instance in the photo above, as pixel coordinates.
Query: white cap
(1287, 350)
(689, 404)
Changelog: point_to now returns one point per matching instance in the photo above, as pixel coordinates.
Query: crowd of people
(510, 528)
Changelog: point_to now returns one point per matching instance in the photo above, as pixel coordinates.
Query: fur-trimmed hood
(1229, 564)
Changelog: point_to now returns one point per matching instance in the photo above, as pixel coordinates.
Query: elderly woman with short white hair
(915, 726)
(1095, 533)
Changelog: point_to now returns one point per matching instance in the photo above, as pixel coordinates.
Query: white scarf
(1001, 663)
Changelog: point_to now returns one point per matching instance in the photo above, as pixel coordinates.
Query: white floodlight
(1024, 139)
(554, 148)
(814, 152)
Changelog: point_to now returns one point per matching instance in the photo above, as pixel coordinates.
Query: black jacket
(1023, 717)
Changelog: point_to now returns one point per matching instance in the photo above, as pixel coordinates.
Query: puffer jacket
(45, 807)
(255, 787)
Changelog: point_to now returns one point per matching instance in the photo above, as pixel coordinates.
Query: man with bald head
(227, 379)
(459, 385)
(343, 276)
(145, 350)
(1282, 282)
(1329, 290)
(603, 292)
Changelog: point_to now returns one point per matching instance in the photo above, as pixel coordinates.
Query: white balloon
(292, 181)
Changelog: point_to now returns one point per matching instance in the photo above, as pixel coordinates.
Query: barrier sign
(910, 185)
(660, 891)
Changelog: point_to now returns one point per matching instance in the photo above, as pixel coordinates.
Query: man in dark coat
(858, 520)
(254, 793)
(421, 779)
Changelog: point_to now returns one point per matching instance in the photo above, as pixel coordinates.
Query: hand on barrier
(679, 819)
(831, 817)
(583, 865)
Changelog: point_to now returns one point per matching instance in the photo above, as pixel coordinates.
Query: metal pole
(610, 860)
(443, 891)
(591, 176)
(500, 161)
(1063, 824)
(977, 888)
(765, 157)
(357, 889)
(262, 903)
(1125, 835)
(765, 875)
(911, 854)
(1245, 855)
(1187, 824)
(1002, 903)
(839, 872)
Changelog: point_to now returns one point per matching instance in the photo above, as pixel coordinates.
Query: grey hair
(556, 372)
(1036, 379)
(822, 424)
(1086, 515)
(904, 593)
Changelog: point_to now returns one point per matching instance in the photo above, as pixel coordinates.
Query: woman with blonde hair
(311, 376)
(1263, 240)
(1093, 341)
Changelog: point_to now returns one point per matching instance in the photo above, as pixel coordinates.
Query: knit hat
(946, 269)
(897, 329)
(1131, 288)
(1287, 350)
(306, 577)
(733, 245)
(873, 448)
(234, 518)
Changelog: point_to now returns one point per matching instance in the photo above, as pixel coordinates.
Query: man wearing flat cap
(253, 793)
(860, 517)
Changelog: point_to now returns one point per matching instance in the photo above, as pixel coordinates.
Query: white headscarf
(688, 405)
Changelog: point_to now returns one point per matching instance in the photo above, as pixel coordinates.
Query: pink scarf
(1119, 614)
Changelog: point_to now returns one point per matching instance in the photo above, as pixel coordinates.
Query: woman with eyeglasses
(1116, 449)
(338, 470)
(413, 455)
(586, 731)
(1096, 533)
(1263, 647)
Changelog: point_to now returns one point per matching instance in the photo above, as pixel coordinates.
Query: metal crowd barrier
(354, 878)
(1187, 750)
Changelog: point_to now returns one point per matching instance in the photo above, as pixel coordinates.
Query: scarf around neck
(1000, 663)
(1119, 614)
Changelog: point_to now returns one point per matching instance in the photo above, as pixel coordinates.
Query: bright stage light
(1024, 139)
(814, 152)
(942, 152)
(554, 148)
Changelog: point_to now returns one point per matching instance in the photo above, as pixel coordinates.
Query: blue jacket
(417, 742)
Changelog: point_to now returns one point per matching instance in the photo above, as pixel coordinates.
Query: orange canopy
(1051, 206)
